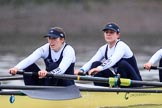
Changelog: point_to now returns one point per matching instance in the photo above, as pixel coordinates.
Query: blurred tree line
(26, 21)
(21, 2)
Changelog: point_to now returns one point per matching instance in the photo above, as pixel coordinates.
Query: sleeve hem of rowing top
(82, 70)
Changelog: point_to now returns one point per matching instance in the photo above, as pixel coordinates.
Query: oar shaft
(111, 81)
(15, 87)
(135, 90)
(123, 82)
(156, 68)
(148, 90)
(77, 77)
(146, 83)
(71, 77)
(11, 78)
(11, 93)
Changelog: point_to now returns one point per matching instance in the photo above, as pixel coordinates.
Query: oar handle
(156, 68)
(20, 72)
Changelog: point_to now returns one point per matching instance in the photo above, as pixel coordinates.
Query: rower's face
(55, 43)
(111, 36)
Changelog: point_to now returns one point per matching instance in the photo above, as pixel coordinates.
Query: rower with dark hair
(115, 55)
(58, 56)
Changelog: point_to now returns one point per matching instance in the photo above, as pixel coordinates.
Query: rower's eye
(109, 32)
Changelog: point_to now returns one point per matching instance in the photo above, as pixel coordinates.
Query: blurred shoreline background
(24, 22)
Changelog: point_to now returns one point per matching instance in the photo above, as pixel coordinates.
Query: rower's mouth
(52, 45)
